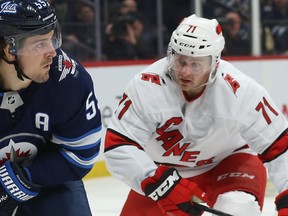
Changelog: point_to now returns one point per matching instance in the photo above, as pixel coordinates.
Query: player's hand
(172, 193)
(281, 202)
(14, 188)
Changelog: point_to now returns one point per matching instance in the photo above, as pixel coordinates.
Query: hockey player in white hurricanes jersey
(191, 127)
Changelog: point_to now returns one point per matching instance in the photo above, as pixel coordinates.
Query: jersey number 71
(263, 105)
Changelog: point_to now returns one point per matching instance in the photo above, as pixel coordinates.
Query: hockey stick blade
(210, 210)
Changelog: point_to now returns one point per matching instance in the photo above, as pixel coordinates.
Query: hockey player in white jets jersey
(193, 127)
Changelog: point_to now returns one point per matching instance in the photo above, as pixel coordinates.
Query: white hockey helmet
(196, 37)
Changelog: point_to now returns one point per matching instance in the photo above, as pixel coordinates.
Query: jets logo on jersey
(8, 7)
(17, 152)
(66, 65)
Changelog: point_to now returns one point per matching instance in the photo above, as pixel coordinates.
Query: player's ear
(8, 54)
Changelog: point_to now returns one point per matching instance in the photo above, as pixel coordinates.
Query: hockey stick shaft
(210, 210)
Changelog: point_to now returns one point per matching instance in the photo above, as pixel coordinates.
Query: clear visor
(40, 41)
(195, 65)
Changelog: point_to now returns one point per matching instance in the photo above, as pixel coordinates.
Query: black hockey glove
(14, 188)
(281, 203)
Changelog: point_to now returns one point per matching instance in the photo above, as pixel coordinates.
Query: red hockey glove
(172, 193)
(282, 203)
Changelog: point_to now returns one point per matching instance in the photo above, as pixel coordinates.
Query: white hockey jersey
(156, 124)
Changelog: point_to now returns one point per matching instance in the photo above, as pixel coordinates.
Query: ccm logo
(165, 186)
(186, 45)
(235, 175)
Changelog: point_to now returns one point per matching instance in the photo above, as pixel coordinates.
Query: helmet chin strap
(20, 73)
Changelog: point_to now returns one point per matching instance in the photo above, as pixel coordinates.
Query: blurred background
(109, 30)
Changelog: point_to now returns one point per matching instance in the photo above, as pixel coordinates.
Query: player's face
(190, 72)
(35, 57)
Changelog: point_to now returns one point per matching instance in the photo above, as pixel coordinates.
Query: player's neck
(9, 80)
(194, 93)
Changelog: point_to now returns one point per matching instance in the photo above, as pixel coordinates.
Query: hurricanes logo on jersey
(151, 78)
(234, 85)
